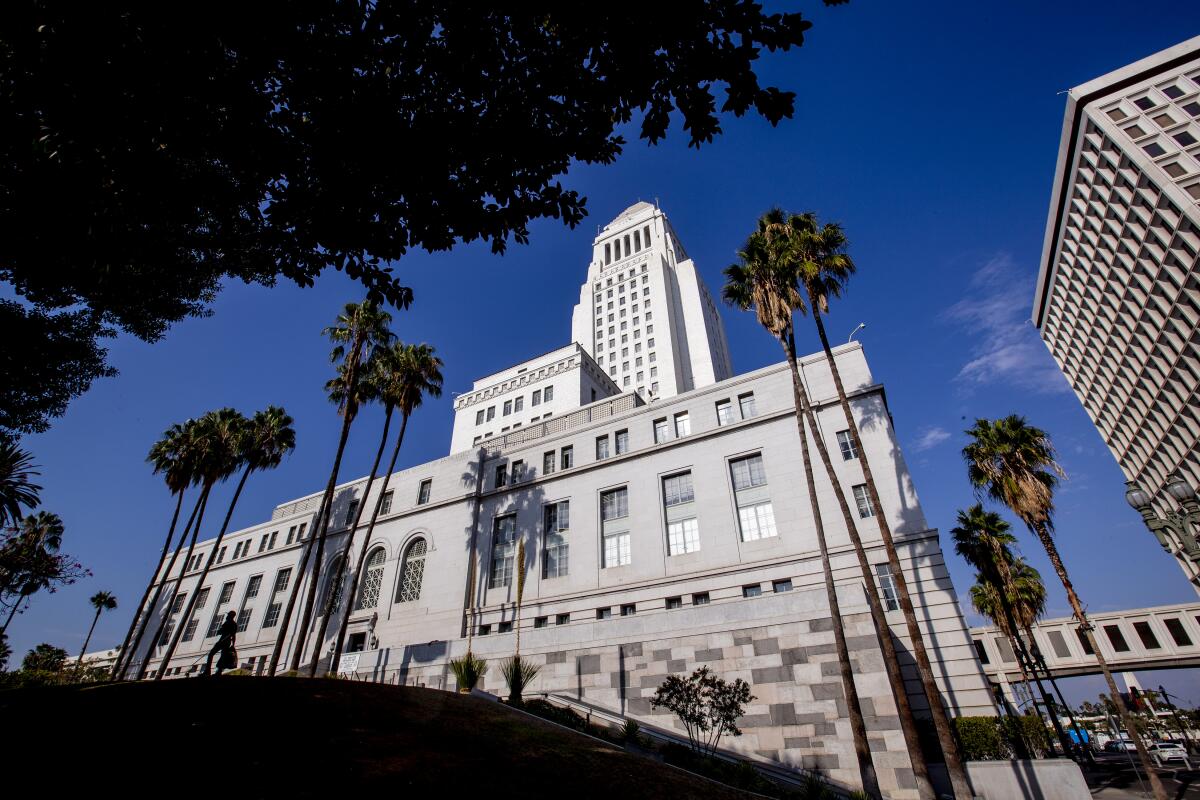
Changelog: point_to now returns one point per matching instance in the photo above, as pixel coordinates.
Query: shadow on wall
(875, 419)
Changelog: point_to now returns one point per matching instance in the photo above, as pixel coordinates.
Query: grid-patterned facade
(1118, 301)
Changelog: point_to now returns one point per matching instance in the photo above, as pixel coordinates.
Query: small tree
(707, 705)
(45, 657)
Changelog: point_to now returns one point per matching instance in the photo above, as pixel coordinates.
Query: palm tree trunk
(11, 614)
(1156, 786)
(88, 640)
(201, 505)
(133, 623)
(311, 599)
(941, 721)
(147, 613)
(301, 566)
(890, 659)
(362, 553)
(1047, 700)
(1040, 663)
(862, 749)
(358, 512)
(212, 557)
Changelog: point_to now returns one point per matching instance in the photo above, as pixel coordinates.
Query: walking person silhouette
(224, 648)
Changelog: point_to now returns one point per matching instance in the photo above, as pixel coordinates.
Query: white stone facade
(644, 313)
(1118, 296)
(720, 569)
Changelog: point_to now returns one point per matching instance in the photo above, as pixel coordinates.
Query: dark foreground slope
(238, 737)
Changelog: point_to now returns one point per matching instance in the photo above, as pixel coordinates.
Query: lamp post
(1178, 529)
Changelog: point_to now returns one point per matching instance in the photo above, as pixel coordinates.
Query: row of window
(1113, 631)
(515, 405)
(756, 518)
(886, 584)
(640, 240)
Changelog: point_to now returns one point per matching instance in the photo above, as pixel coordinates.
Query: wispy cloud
(994, 316)
(930, 437)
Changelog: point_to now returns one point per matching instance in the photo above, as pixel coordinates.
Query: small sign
(348, 665)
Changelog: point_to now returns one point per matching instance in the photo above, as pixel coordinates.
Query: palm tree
(171, 457)
(101, 601)
(1013, 463)
(358, 331)
(217, 450)
(366, 391)
(40, 536)
(404, 374)
(823, 268)
(256, 444)
(16, 486)
(764, 282)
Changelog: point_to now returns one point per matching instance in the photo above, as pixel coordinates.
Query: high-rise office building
(1118, 297)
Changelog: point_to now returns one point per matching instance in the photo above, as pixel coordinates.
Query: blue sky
(930, 132)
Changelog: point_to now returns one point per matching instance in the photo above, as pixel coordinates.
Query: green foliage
(5, 652)
(707, 705)
(518, 674)
(629, 731)
(17, 489)
(468, 670)
(739, 774)
(563, 716)
(222, 159)
(45, 657)
(239, 673)
(291, 673)
(1000, 738)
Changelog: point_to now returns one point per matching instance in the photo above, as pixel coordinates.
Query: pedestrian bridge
(1162, 637)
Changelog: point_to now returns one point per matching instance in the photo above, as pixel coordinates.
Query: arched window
(333, 589)
(368, 595)
(412, 572)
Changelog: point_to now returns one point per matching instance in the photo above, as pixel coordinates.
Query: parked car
(1119, 746)
(1167, 753)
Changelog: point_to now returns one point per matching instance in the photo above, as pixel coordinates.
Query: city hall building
(663, 508)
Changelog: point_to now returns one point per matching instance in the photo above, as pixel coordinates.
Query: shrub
(239, 672)
(629, 731)
(563, 716)
(707, 705)
(468, 670)
(980, 739)
(518, 674)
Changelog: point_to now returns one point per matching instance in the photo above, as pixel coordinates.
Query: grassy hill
(287, 737)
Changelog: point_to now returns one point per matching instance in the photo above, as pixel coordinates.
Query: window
(548, 463)
(243, 620)
(491, 414)
(177, 606)
(784, 585)
(622, 441)
(518, 405)
(601, 447)
(1116, 638)
(484, 630)
(683, 425)
(754, 590)
(479, 417)
(625, 381)
(887, 587)
(700, 599)
(748, 472)
(281, 580)
(557, 517)
(628, 610)
(274, 536)
(677, 489)
(372, 580)
(981, 652)
(1176, 629)
(567, 457)
(351, 512)
(724, 412)
(746, 403)
(683, 536)
(291, 535)
(548, 394)
(190, 631)
(757, 521)
(504, 533)
(604, 613)
(423, 492)
(518, 471)
(202, 598)
(1083, 640)
(1058, 644)
(333, 590)
(614, 504)
(507, 407)
(505, 627)
(674, 602)
(660, 431)
(536, 400)
(1146, 634)
(501, 475)
(385, 504)
(562, 619)
(300, 533)
(846, 443)
(864, 502)
(540, 622)
(253, 586)
(226, 593)
(1005, 648)
(412, 572)
(262, 544)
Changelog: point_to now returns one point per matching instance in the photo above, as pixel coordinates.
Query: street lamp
(1178, 529)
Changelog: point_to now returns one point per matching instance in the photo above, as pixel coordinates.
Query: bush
(518, 674)
(629, 731)
(468, 670)
(979, 738)
(563, 716)
(239, 672)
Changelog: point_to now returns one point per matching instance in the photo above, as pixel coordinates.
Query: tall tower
(643, 312)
